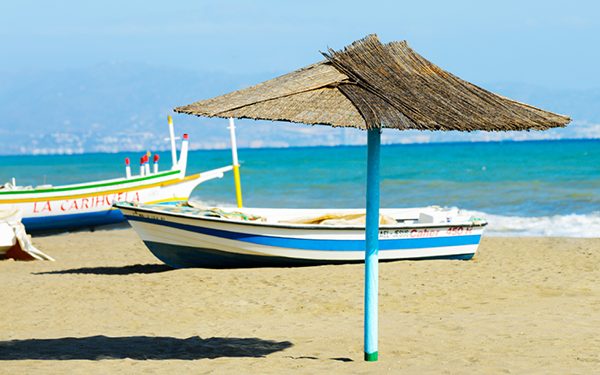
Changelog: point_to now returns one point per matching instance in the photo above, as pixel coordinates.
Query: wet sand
(108, 306)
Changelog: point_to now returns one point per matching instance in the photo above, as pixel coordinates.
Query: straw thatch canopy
(372, 85)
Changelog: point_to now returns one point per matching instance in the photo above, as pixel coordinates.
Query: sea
(530, 188)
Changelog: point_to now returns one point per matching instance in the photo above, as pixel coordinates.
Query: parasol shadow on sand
(370, 86)
(138, 347)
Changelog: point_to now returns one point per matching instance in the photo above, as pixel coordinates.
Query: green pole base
(371, 357)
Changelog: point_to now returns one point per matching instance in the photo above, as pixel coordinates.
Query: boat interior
(392, 217)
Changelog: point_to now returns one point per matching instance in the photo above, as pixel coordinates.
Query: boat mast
(236, 164)
(183, 154)
(173, 149)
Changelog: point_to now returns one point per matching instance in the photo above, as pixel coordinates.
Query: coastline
(313, 146)
(108, 305)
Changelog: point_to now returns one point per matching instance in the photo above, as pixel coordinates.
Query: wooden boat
(90, 204)
(190, 235)
(250, 237)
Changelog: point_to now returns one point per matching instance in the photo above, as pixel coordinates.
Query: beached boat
(251, 237)
(90, 204)
(190, 235)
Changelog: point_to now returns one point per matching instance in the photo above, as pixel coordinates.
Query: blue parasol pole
(372, 245)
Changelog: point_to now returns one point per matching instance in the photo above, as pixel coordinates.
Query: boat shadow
(110, 270)
(79, 229)
(138, 347)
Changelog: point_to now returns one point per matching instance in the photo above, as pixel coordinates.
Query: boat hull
(178, 256)
(90, 205)
(183, 241)
(91, 219)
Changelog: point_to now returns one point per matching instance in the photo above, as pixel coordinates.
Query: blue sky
(547, 43)
(545, 53)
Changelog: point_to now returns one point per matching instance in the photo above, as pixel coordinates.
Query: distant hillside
(123, 106)
(105, 96)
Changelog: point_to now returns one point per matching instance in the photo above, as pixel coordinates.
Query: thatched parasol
(370, 86)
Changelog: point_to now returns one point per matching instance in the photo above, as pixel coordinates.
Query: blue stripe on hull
(312, 244)
(190, 257)
(72, 221)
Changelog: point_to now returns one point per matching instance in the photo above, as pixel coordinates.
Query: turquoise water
(556, 181)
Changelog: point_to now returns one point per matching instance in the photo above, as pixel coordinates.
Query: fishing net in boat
(340, 219)
(196, 209)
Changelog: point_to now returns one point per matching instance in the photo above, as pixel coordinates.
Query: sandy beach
(108, 306)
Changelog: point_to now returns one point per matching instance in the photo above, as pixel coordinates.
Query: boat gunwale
(126, 207)
(88, 185)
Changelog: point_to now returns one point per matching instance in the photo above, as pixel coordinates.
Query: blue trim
(73, 221)
(192, 257)
(309, 244)
(65, 222)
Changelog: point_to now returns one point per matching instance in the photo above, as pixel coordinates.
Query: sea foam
(573, 225)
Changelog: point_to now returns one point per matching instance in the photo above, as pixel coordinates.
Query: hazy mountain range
(123, 106)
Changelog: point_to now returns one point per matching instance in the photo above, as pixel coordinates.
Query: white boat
(185, 237)
(190, 235)
(90, 204)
